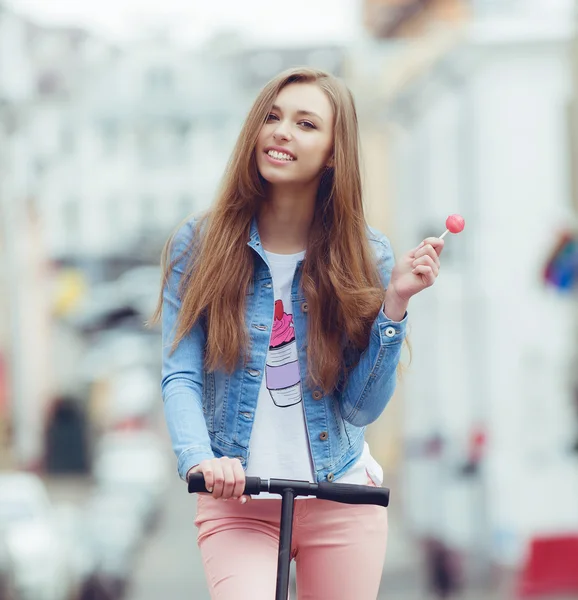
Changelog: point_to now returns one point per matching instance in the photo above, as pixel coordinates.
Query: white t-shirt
(279, 445)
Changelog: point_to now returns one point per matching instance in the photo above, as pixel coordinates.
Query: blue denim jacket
(210, 414)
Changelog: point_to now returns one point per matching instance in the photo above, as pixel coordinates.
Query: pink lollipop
(454, 224)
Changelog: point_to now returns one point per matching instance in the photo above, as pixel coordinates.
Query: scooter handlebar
(346, 493)
(253, 485)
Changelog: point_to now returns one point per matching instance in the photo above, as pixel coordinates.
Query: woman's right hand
(224, 478)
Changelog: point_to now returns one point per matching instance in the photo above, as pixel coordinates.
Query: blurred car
(134, 396)
(70, 520)
(114, 528)
(113, 351)
(140, 287)
(40, 563)
(135, 463)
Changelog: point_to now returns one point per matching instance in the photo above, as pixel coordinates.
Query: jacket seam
(356, 408)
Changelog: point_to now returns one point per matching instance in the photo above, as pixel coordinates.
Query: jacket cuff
(191, 457)
(388, 331)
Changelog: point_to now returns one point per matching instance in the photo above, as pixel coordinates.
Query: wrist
(394, 306)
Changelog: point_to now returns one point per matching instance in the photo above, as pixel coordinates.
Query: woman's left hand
(417, 270)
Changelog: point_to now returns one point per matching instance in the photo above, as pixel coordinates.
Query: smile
(280, 155)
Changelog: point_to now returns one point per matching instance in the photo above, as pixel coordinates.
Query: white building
(484, 132)
(143, 142)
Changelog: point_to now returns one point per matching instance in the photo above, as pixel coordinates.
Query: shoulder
(185, 234)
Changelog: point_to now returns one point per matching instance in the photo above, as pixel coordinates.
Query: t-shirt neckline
(284, 258)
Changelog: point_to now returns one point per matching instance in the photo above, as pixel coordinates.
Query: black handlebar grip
(197, 484)
(349, 493)
(253, 486)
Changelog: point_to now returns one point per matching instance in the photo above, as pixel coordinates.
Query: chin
(275, 176)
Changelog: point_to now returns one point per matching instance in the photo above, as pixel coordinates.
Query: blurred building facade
(24, 301)
(105, 150)
(465, 110)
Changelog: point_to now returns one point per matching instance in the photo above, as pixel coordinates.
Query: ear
(330, 163)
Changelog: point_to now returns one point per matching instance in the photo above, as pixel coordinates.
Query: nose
(281, 132)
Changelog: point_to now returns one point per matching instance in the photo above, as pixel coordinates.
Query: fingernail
(422, 244)
(209, 489)
(225, 499)
(243, 500)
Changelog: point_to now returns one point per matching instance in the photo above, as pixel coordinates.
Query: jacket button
(330, 477)
(317, 395)
(323, 436)
(390, 332)
(305, 307)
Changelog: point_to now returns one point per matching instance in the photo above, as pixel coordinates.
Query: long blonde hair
(340, 279)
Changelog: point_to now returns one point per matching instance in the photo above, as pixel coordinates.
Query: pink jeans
(339, 549)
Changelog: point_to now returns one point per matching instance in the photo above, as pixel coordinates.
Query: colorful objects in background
(454, 224)
(561, 270)
(551, 567)
(475, 451)
(69, 290)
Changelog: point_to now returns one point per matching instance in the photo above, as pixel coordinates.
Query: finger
(436, 242)
(192, 470)
(244, 499)
(426, 273)
(428, 261)
(218, 479)
(228, 479)
(205, 468)
(239, 475)
(428, 250)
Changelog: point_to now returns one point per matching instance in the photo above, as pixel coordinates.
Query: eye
(307, 124)
(272, 117)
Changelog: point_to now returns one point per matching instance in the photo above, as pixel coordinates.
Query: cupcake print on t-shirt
(282, 371)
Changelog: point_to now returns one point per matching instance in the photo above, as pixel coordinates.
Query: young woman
(283, 318)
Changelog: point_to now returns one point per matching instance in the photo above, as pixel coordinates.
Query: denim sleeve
(370, 384)
(182, 371)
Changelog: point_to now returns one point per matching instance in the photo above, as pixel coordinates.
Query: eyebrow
(305, 113)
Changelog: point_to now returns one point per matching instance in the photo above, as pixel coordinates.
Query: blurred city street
(169, 564)
(116, 124)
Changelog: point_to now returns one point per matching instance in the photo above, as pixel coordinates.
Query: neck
(284, 219)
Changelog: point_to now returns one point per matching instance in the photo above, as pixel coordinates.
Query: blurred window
(265, 64)
(165, 143)
(159, 79)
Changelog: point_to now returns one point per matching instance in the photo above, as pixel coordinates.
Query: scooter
(288, 490)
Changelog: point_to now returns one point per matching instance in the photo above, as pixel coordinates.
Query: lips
(280, 153)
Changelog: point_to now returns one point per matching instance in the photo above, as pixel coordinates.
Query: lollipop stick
(443, 235)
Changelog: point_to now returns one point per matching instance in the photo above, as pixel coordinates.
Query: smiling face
(295, 143)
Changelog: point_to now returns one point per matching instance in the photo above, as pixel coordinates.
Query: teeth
(279, 155)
